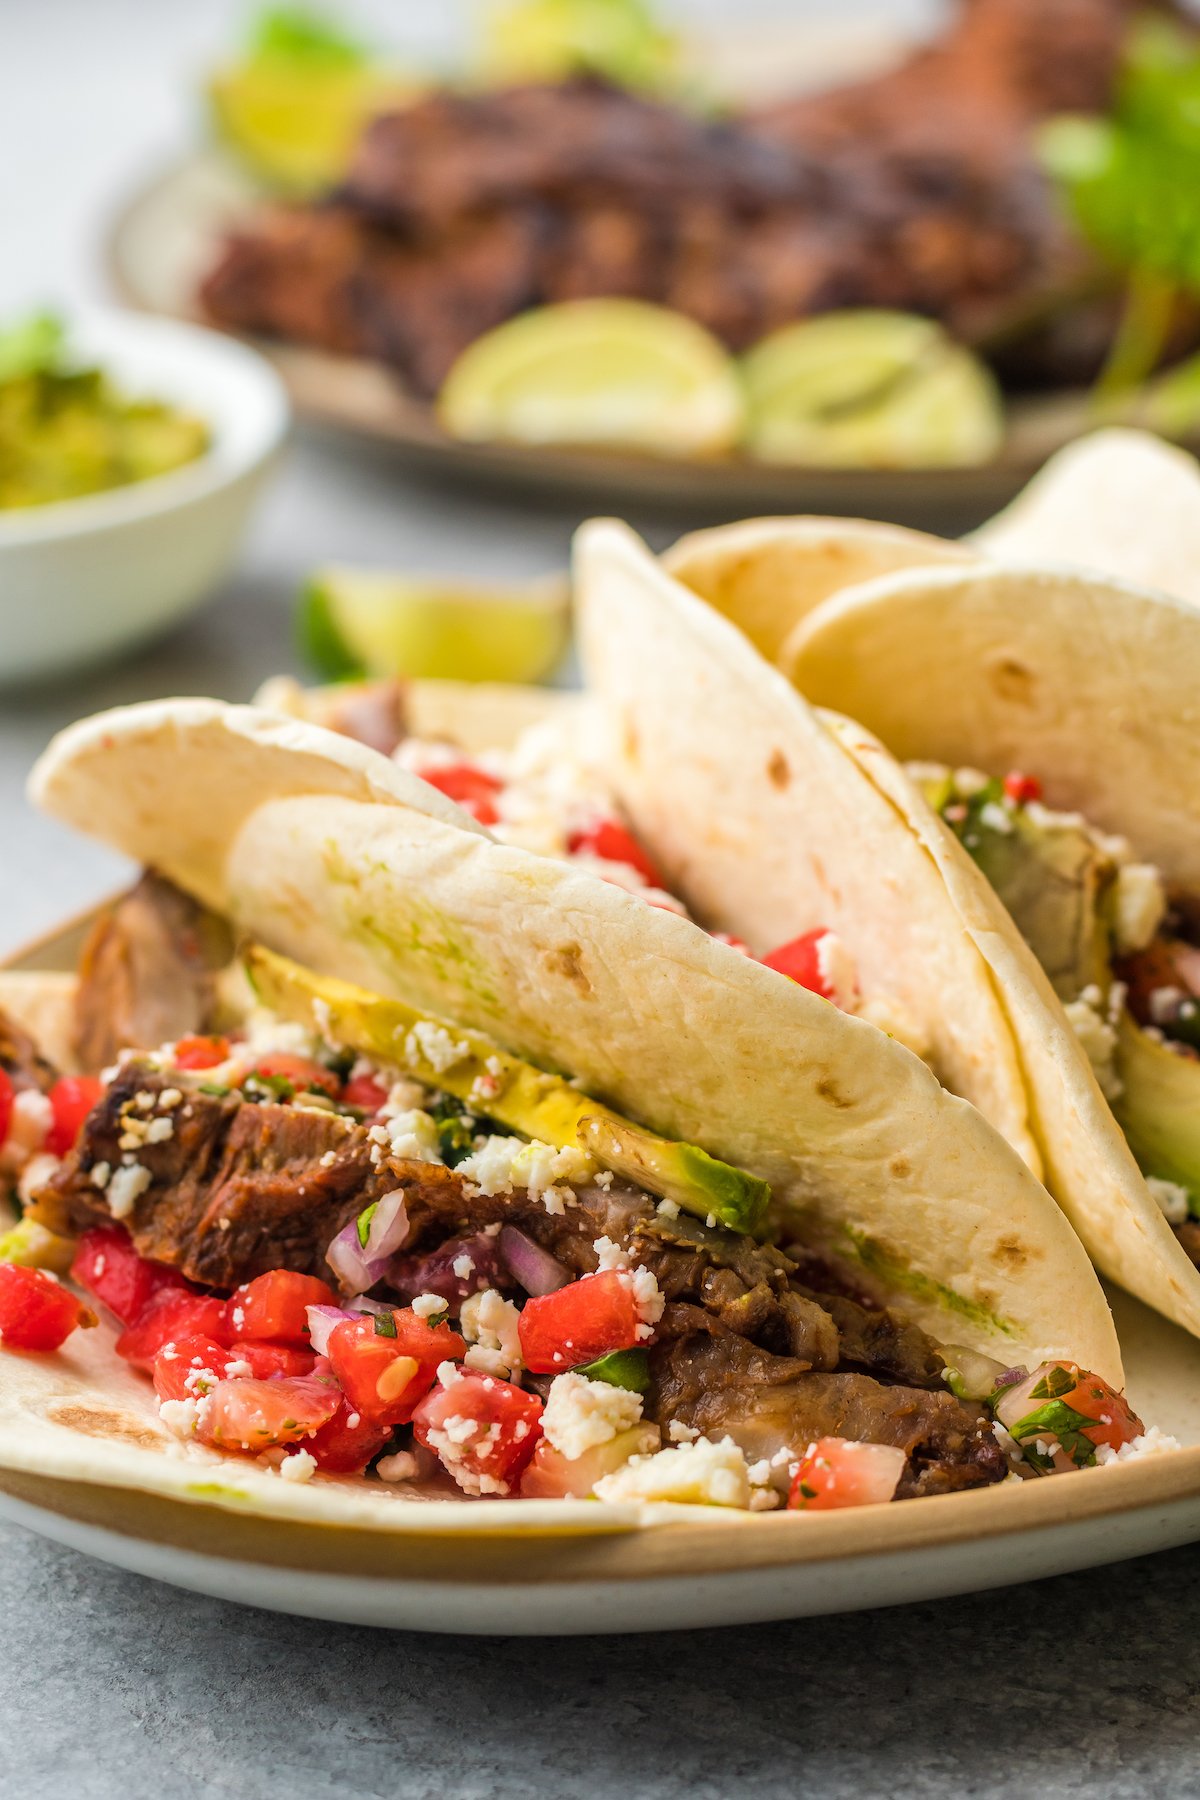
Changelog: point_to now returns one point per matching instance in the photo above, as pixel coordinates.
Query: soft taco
(473, 1174)
(1051, 724)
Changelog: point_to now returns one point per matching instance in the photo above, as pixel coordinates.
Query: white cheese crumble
(835, 966)
(410, 1136)
(667, 1209)
(427, 1306)
(679, 1433)
(1173, 1199)
(581, 1414)
(301, 1465)
(125, 1188)
(490, 1324)
(698, 1474)
(1099, 1041)
(499, 1164)
(1139, 906)
(180, 1416)
(400, 1467)
(1151, 1443)
(432, 1043)
(463, 1266)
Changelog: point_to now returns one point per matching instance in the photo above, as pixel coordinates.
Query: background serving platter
(478, 1569)
(167, 235)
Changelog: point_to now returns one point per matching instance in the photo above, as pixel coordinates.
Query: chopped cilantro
(269, 1087)
(215, 1089)
(809, 1493)
(621, 1368)
(1054, 1384)
(362, 1224)
(385, 1325)
(1057, 1420)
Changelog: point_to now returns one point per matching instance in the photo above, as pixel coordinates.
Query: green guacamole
(67, 431)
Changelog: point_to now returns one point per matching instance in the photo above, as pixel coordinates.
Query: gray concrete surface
(117, 1689)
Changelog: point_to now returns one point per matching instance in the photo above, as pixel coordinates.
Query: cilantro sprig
(1132, 182)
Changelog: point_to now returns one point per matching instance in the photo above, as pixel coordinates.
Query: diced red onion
(389, 1227)
(976, 1375)
(435, 1273)
(321, 1321)
(356, 1272)
(534, 1268)
(362, 1305)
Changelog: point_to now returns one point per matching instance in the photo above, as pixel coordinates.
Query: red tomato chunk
(273, 1308)
(471, 788)
(579, 1323)
(386, 1363)
(258, 1415)
(109, 1267)
(189, 1367)
(266, 1360)
(613, 843)
(201, 1052)
(347, 1442)
(483, 1431)
(364, 1093)
(300, 1072)
(6, 1103)
(839, 1472)
(36, 1312)
(170, 1314)
(72, 1098)
(1021, 789)
(800, 961)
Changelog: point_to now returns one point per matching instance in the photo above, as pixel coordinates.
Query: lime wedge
(357, 622)
(870, 390)
(613, 372)
(548, 40)
(296, 126)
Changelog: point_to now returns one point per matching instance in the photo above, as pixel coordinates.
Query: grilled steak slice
(146, 975)
(21, 1059)
(722, 1384)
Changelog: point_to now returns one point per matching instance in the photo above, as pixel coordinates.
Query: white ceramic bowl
(83, 579)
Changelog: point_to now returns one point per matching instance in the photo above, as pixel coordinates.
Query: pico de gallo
(338, 1266)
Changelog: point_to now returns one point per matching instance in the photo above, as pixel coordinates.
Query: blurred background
(286, 392)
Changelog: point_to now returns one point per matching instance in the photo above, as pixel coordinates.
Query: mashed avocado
(67, 431)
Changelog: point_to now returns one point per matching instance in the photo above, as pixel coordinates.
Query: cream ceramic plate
(478, 1569)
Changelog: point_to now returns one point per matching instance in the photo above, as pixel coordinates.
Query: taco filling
(341, 1260)
(1122, 952)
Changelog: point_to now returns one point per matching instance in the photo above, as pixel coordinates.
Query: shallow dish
(548, 1567)
(83, 579)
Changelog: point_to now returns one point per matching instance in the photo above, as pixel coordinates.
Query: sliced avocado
(1159, 1107)
(1052, 874)
(514, 1093)
(31, 1245)
(621, 1368)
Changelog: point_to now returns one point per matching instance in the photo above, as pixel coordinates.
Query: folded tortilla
(333, 855)
(1093, 685)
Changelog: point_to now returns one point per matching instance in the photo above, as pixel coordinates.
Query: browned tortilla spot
(827, 1089)
(567, 961)
(1012, 1251)
(1013, 681)
(778, 772)
(94, 1421)
(900, 1167)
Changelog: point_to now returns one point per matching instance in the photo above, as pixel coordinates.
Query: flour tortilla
(1121, 502)
(767, 827)
(766, 574)
(386, 888)
(1095, 687)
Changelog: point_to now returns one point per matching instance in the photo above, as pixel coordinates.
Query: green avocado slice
(514, 1093)
(1159, 1108)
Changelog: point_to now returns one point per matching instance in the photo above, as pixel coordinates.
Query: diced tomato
(348, 1442)
(613, 843)
(734, 943)
(273, 1308)
(387, 1362)
(585, 1320)
(364, 1093)
(806, 961)
(109, 1267)
(6, 1103)
(839, 1472)
(255, 1415)
(1065, 1406)
(188, 1367)
(72, 1098)
(505, 1425)
(302, 1072)
(36, 1312)
(170, 1314)
(266, 1360)
(469, 787)
(1021, 789)
(201, 1052)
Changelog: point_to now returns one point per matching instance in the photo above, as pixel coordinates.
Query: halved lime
(548, 40)
(870, 389)
(295, 126)
(358, 622)
(613, 372)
